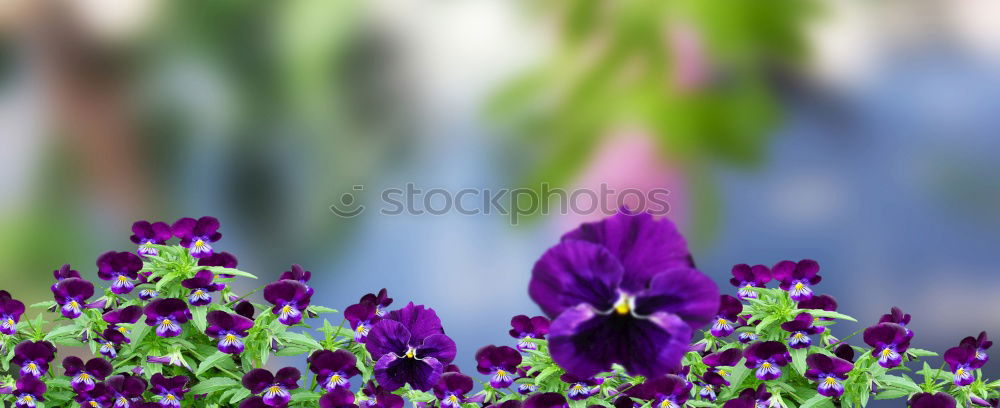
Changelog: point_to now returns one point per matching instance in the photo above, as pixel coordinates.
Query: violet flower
(98, 396)
(229, 329)
(980, 343)
(201, 286)
(889, 341)
(333, 369)
(121, 268)
(275, 389)
(523, 328)
(928, 400)
(33, 357)
(844, 351)
(10, 313)
(797, 278)
(725, 358)
(546, 400)
(296, 273)
(28, 392)
(450, 390)
(500, 363)
(245, 309)
(289, 298)
(801, 328)
(223, 259)
(125, 390)
(962, 360)
(751, 398)
(146, 234)
(746, 277)
(197, 236)
(339, 398)
(109, 340)
(580, 388)
(830, 372)
(627, 280)
(128, 315)
(64, 272)
(668, 391)
(72, 294)
(767, 357)
(897, 316)
(171, 390)
(729, 312)
(85, 376)
(379, 397)
(167, 315)
(381, 301)
(820, 302)
(410, 347)
(709, 385)
(362, 316)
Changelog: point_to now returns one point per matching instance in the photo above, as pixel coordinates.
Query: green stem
(230, 304)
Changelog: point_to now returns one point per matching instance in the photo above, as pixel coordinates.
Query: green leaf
(198, 314)
(239, 395)
(214, 384)
(62, 332)
(817, 401)
(827, 313)
(799, 360)
(301, 339)
(211, 361)
(902, 382)
(921, 352)
(218, 270)
(320, 309)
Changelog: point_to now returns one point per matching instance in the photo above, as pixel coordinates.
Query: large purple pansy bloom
(746, 277)
(961, 360)
(546, 400)
(410, 347)
(289, 298)
(333, 369)
(729, 312)
(34, 357)
(450, 390)
(928, 400)
(146, 234)
(380, 300)
(767, 357)
(889, 341)
(668, 391)
(829, 372)
(121, 268)
(10, 313)
(275, 389)
(85, 376)
(72, 294)
(897, 316)
(126, 390)
(622, 290)
(28, 391)
(201, 286)
(167, 315)
(197, 235)
(801, 328)
(128, 315)
(980, 343)
(64, 272)
(797, 278)
(171, 390)
(362, 317)
(500, 363)
(523, 328)
(339, 398)
(229, 329)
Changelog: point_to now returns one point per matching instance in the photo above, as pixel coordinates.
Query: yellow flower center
(171, 397)
(32, 366)
(286, 309)
(274, 389)
(799, 286)
(361, 328)
(766, 365)
(199, 292)
(11, 322)
(722, 321)
(94, 404)
(886, 352)
(722, 372)
(623, 307)
(199, 243)
(84, 376)
(166, 322)
(410, 353)
(122, 278)
(960, 372)
(122, 329)
(666, 404)
(230, 337)
(453, 399)
(830, 381)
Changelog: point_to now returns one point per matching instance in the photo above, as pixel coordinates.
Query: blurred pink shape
(690, 68)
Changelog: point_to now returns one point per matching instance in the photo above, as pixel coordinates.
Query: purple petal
(573, 273)
(687, 293)
(419, 320)
(387, 337)
(393, 372)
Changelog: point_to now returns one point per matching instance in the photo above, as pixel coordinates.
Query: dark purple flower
(98, 396)
(980, 343)
(333, 369)
(889, 342)
(581, 388)
(148, 294)
(121, 268)
(820, 302)
(338, 398)
(961, 360)
(410, 347)
(844, 351)
(146, 234)
(622, 290)
(84, 376)
(897, 316)
(289, 298)
(201, 286)
(829, 372)
(546, 400)
(725, 321)
(244, 309)
(128, 315)
(64, 272)
(167, 315)
(275, 389)
(10, 313)
(746, 277)
(801, 328)
(125, 390)
(500, 363)
(379, 397)
(523, 328)
(362, 317)
(747, 337)
(928, 400)
(381, 301)
(171, 390)
(450, 390)
(797, 278)
(223, 259)
(296, 273)
(709, 385)
(197, 236)
(34, 357)
(990, 403)
(229, 329)
(767, 357)
(109, 340)
(28, 391)
(725, 358)
(751, 398)
(668, 391)
(72, 294)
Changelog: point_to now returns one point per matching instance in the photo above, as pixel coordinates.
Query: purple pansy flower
(245, 309)
(201, 286)
(962, 359)
(580, 388)
(546, 400)
(751, 398)
(820, 302)
(333, 369)
(275, 389)
(128, 315)
(801, 328)
(379, 397)
(197, 235)
(889, 342)
(29, 391)
(668, 391)
(450, 390)
(125, 390)
(729, 312)
(339, 398)
(381, 301)
(10, 313)
(109, 340)
(362, 317)
(223, 259)
(171, 390)
(296, 273)
(229, 329)
(146, 234)
(410, 347)
(980, 343)
(289, 298)
(167, 315)
(72, 294)
(500, 363)
(897, 316)
(830, 372)
(121, 268)
(34, 357)
(709, 385)
(725, 358)
(64, 272)
(627, 280)
(529, 386)
(85, 376)
(797, 278)
(844, 351)
(767, 357)
(746, 277)
(928, 400)
(99, 396)
(524, 327)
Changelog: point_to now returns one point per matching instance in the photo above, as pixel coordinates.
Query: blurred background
(860, 134)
